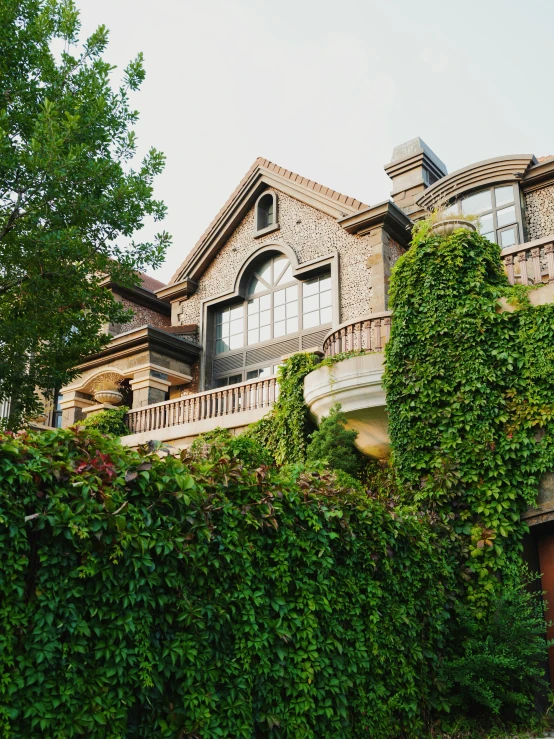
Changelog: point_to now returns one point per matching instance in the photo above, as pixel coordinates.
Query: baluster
(195, 410)
(549, 251)
(265, 396)
(342, 340)
(509, 266)
(188, 410)
(377, 334)
(367, 333)
(386, 326)
(336, 343)
(349, 338)
(536, 259)
(358, 337)
(225, 401)
(236, 396)
(522, 259)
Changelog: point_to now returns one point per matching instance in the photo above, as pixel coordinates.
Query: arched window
(277, 308)
(266, 215)
(499, 213)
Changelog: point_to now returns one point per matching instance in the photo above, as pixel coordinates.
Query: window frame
(518, 223)
(275, 225)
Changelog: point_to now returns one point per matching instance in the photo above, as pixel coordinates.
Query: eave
(140, 296)
(538, 176)
(145, 338)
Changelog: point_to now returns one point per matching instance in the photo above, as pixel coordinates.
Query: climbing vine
(470, 395)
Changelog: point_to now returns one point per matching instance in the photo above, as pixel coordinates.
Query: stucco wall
(142, 317)
(310, 234)
(539, 211)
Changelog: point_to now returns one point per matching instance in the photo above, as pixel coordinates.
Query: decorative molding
(177, 290)
(482, 174)
(386, 215)
(139, 296)
(538, 176)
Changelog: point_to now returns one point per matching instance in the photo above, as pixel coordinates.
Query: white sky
(326, 89)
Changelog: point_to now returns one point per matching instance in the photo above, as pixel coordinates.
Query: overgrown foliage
(109, 421)
(68, 193)
(500, 669)
(470, 394)
(333, 444)
(198, 596)
(285, 430)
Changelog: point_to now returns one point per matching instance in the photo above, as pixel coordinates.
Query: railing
(530, 263)
(364, 334)
(224, 401)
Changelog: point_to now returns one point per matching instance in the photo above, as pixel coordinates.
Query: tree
(334, 443)
(68, 191)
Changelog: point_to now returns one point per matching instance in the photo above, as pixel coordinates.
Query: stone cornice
(387, 215)
(145, 338)
(139, 296)
(488, 172)
(177, 290)
(538, 176)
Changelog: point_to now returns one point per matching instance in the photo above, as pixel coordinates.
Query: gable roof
(261, 174)
(150, 283)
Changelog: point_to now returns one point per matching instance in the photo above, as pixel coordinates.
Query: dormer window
(499, 213)
(266, 214)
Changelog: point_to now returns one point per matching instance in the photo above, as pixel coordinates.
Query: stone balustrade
(530, 263)
(246, 396)
(370, 334)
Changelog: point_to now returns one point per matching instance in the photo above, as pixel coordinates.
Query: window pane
(477, 203)
(311, 287)
(221, 382)
(326, 315)
(279, 313)
(221, 346)
(264, 372)
(251, 374)
(265, 272)
(236, 313)
(486, 223)
(287, 276)
(235, 342)
(233, 379)
(265, 318)
(279, 328)
(311, 319)
(508, 237)
(490, 236)
(256, 286)
(253, 336)
(253, 321)
(292, 293)
(218, 332)
(265, 302)
(236, 327)
(279, 297)
(451, 210)
(292, 309)
(265, 333)
(325, 299)
(223, 317)
(311, 303)
(292, 325)
(253, 305)
(506, 216)
(504, 195)
(325, 283)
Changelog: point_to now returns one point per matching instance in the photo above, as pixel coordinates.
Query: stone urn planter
(105, 389)
(449, 225)
(114, 397)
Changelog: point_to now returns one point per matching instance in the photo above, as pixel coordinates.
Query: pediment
(262, 175)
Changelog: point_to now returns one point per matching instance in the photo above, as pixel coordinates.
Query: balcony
(179, 421)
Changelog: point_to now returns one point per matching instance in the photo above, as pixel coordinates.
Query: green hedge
(199, 596)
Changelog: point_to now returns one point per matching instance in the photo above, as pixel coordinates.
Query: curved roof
(488, 172)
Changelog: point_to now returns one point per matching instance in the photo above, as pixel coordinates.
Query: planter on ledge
(448, 226)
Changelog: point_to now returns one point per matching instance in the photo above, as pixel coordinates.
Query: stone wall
(142, 317)
(539, 212)
(311, 234)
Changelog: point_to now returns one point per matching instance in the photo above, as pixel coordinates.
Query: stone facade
(143, 316)
(539, 213)
(311, 234)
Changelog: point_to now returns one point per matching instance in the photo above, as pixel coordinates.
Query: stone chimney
(413, 168)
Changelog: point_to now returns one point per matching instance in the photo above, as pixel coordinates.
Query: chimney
(413, 168)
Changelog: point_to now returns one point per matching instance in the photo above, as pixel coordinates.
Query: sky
(326, 89)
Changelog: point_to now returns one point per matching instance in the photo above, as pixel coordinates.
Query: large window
(277, 307)
(498, 212)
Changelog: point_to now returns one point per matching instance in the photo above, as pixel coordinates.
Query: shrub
(199, 596)
(501, 667)
(109, 421)
(334, 444)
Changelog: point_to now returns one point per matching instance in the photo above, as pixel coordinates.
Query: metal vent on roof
(314, 339)
(225, 364)
(274, 351)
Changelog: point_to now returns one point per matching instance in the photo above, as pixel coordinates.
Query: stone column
(149, 387)
(380, 263)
